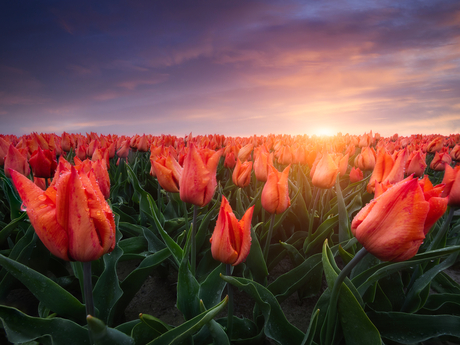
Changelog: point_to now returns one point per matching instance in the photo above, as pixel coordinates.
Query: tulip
(17, 161)
(231, 239)
(438, 204)
(397, 171)
(455, 153)
(451, 181)
(275, 195)
(435, 145)
(43, 163)
(230, 161)
(241, 176)
(366, 159)
(392, 226)
(440, 161)
(416, 164)
(356, 175)
(245, 152)
(4, 145)
(198, 182)
(71, 217)
(382, 169)
(325, 172)
(168, 172)
(262, 160)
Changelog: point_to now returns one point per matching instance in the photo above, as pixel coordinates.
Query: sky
(235, 67)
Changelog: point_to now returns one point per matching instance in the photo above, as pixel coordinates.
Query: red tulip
(198, 182)
(392, 226)
(356, 175)
(71, 217)
(231, 239)
(275, 195)
(43, 163)
(17, 161)
(168, 172)
(241, 176)
(451, 181)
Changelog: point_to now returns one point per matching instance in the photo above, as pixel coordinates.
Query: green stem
(312, 214)
(442, 232)
(269, 238)
(228, 272)
(193, 241)
(331, 312)
(88, 293)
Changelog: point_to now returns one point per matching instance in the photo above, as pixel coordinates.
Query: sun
(324, 131)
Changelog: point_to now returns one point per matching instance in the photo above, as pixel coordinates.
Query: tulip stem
(193, 242)
(269, 237)
(228, 272)
(442, 232)
(88, 293)
(331, 312)
(312, 213)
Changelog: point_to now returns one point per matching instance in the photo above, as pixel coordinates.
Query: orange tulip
(397, 171)
(43, 163)
(262, 159)
(438, 204)
(356, 175)
(325, 172)
(231, 239)
(435, 145)
(168, 172)
(451, 181)
(416, 164)
(275, 195)
(198, 182)
(366, 159)
(382, 169)
(455, 153)
(230, 160)
(245, 152)
(71, 217)
(17, 161)
(392, 226)
(241, 176)
(440, 161)
(4, 145)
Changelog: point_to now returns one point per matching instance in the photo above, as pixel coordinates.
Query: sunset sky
(230, 67)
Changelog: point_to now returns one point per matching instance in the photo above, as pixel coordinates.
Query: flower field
(366, 223)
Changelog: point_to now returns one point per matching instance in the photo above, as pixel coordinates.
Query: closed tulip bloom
(244, 153)
(4, 145)
(382, 169)
(440, 161)
(455, 153)
(231, 239)
(435, 145)
(123, 151)
(17, 161)
(451, 181)
(275, 195)
(366, 159)
(325, 172)
(356, 175)
(230, 161)
(43, 163)
(262, 160)
(241, 176)
(71, 217)
(392, 226)
(397, 172)
(168, 172)
(198, 182)
(416, 164)
(438, 204)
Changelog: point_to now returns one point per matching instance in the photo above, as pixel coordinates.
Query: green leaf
(412, 329)
(103, 335)
(276, 326)
(21, 328)
(187, 292)
(175, 335)
(7, 230)
(310, 334)
(309, 274)
(210, 290)
(344, 232)
(255, 260)
(46, 290)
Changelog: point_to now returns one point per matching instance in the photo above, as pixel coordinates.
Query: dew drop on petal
(42, 206)
(42, 197)
(23, 207)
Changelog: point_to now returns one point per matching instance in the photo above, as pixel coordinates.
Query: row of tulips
(176, 202)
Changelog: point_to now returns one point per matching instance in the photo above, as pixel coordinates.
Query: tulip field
(366, 224)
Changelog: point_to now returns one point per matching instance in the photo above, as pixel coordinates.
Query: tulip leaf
(321, 233)
(133, 282)
(255, 259)
(413, 300)
(310, 334)
(187, 291)
(444, 303)
(412, 328)
(309, 273)
(276, 326)
(364, 280)
(8, 229)
(204, 225)
(22, 328)
(12, 196)
(210, 290)
(107, 290)
(442, 283)
(53, 296)
(344, 222)
(103, 335)
(175, 335)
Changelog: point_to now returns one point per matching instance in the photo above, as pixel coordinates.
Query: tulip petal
(245, 228)
(42, 214)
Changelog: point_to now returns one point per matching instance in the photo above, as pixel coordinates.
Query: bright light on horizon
(324, 131)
